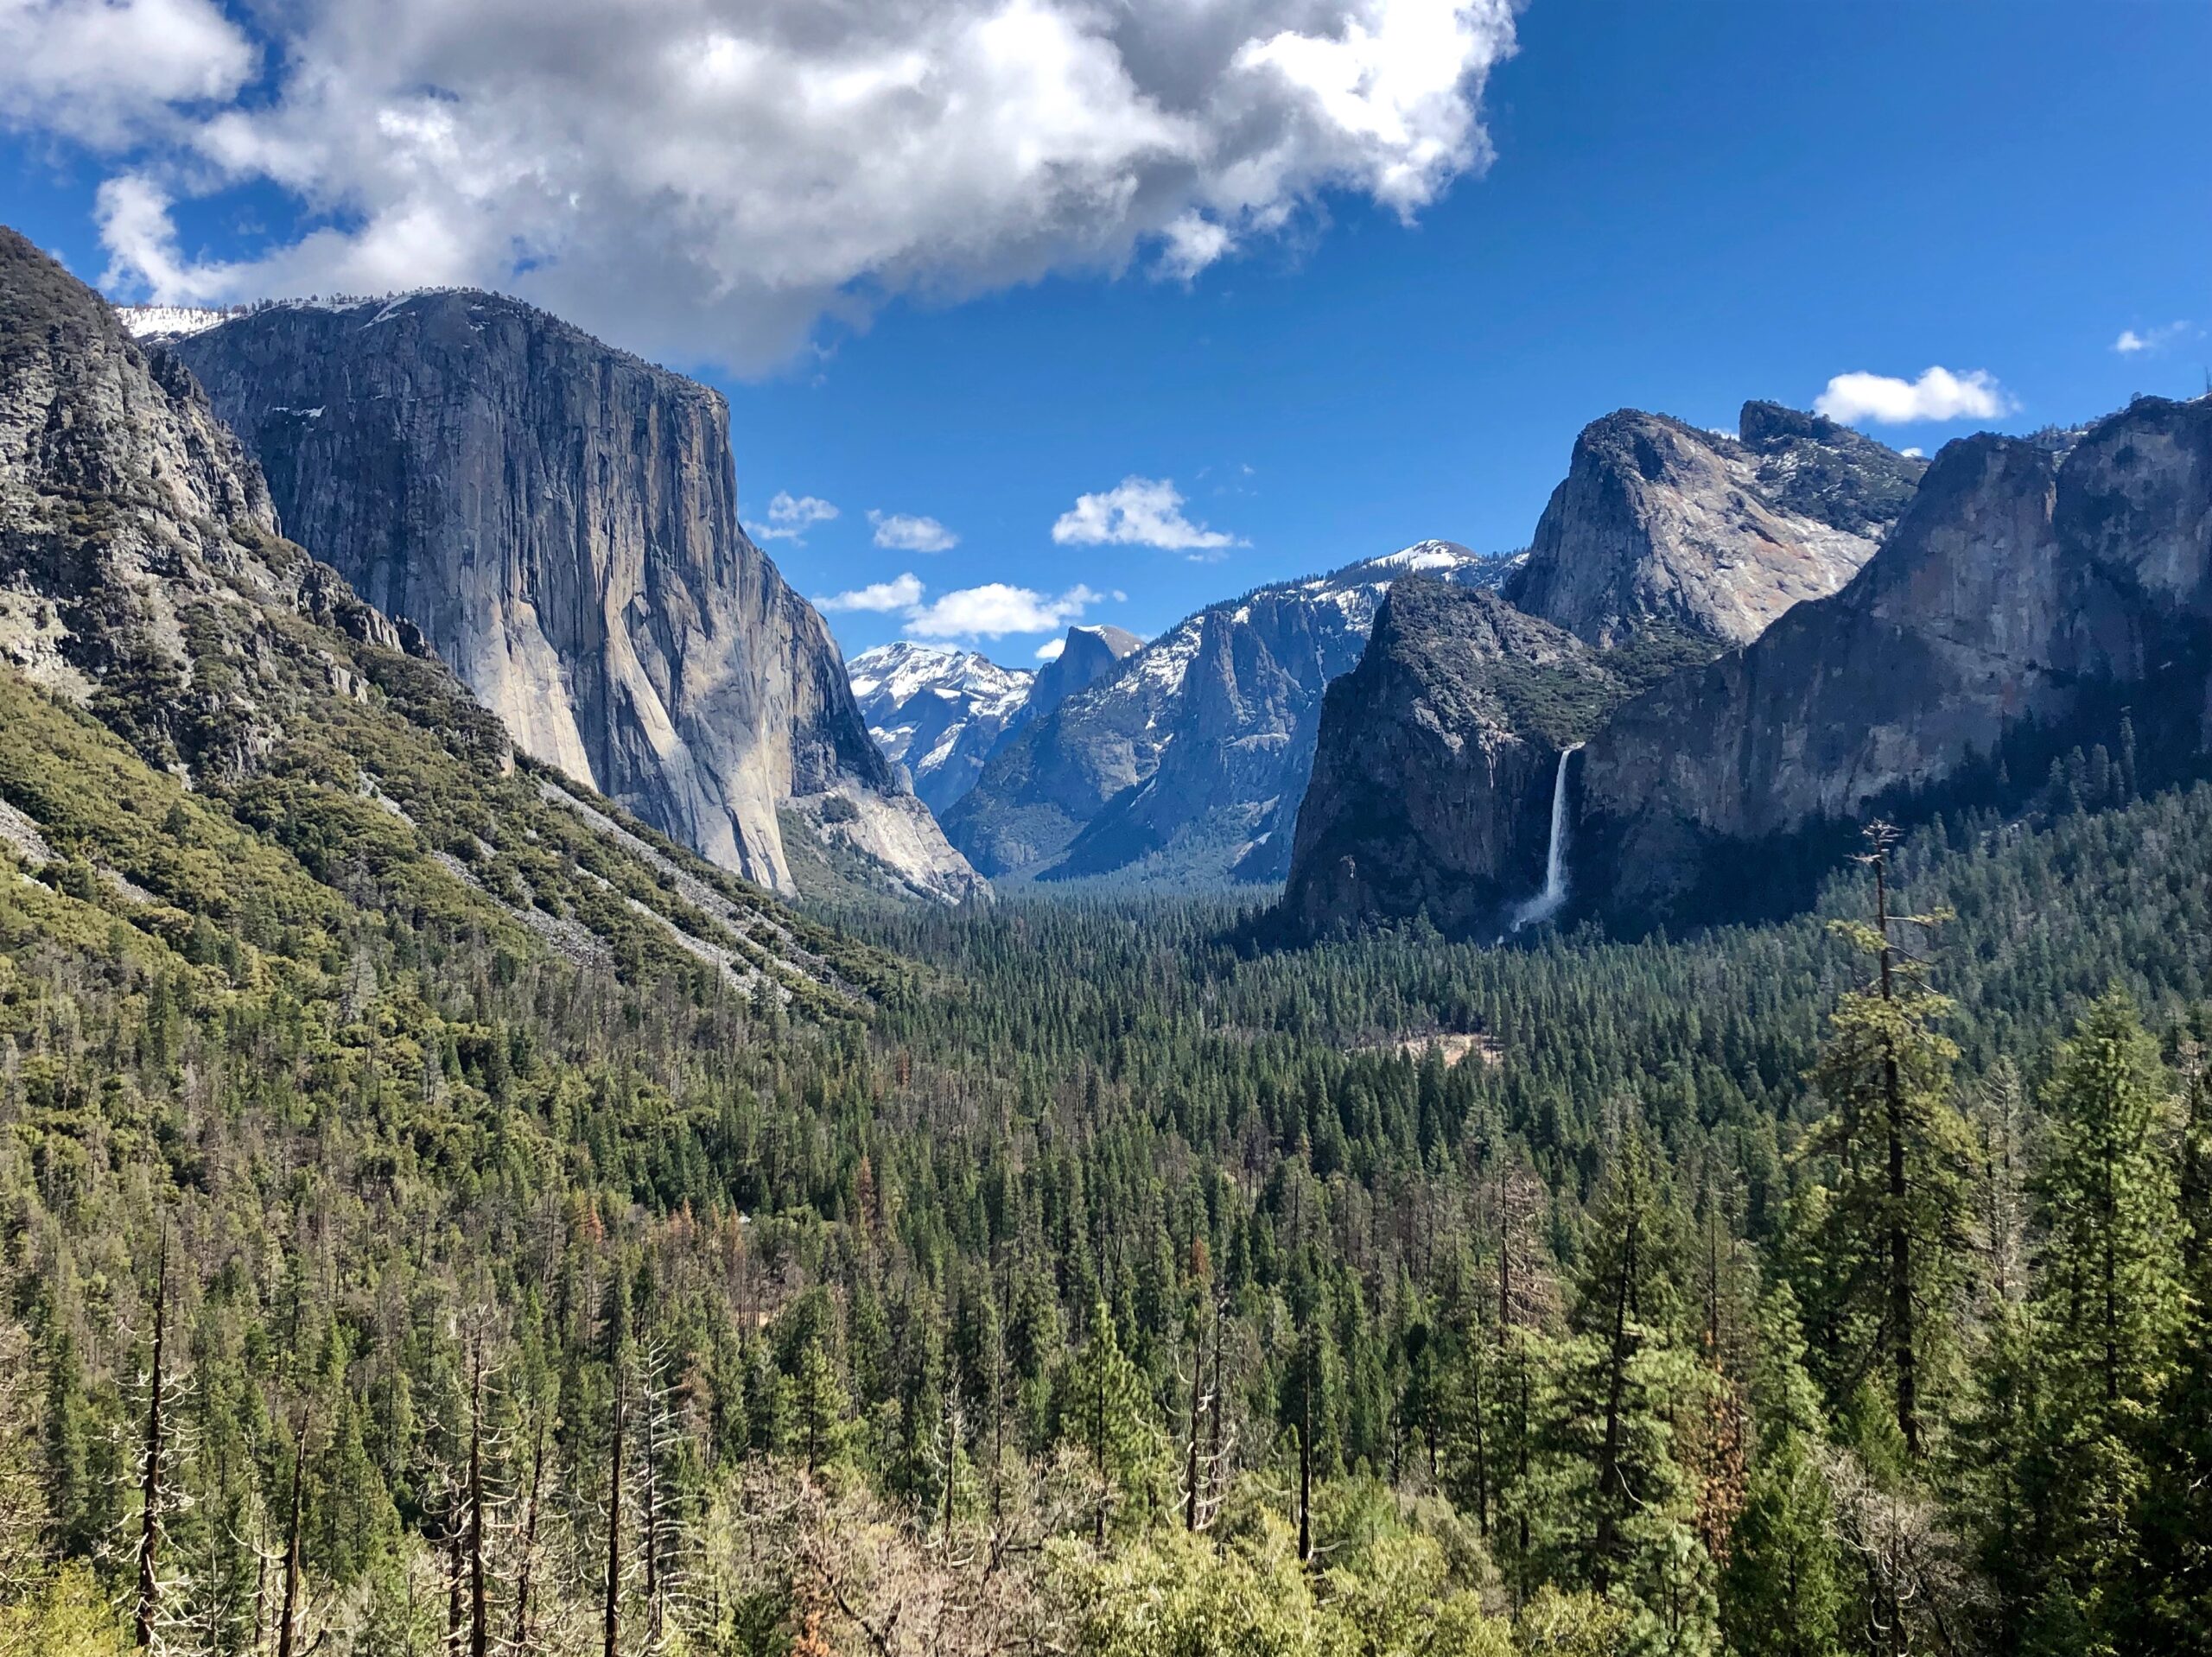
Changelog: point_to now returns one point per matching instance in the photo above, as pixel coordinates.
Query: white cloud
(1938, 394)
(899, 592)
(1050, 650)
(1914, 453)
(1138, 511)
(995, 609)
(904, 533)
(790, 518)
(109, 73)
(2130, 342)
(802, 161)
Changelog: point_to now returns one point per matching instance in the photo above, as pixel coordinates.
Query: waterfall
(1548, 903)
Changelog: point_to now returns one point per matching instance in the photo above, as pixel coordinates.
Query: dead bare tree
(150, 1463)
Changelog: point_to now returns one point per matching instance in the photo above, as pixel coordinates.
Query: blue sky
(1684, 206)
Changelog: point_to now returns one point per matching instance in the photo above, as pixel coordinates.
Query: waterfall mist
(1548, 903)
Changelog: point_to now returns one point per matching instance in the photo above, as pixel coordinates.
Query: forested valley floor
(1116, 1286)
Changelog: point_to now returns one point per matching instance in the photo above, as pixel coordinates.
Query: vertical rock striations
(1664, 546)
(559, 519)
(1184, 764)
(2026, 599)
(1438, 759)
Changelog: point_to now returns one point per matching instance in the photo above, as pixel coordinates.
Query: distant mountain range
(941, 712)
(1184, 763)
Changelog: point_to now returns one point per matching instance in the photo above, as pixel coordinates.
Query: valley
(1643, 1095)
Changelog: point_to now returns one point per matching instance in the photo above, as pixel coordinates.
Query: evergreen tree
(1898, 1156)
(1102, 1410)
(2108, 1307)
(1781, 1595)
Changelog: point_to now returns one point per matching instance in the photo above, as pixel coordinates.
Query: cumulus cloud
(904, 533)
(1051, 650)
(111, 73)
(1138, 511)
(790, 518)
(899, 592)
(801, 161)
(2130, 343)
(995, 609)
(1938, 394)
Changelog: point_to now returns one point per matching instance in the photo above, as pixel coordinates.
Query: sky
(1039, 311)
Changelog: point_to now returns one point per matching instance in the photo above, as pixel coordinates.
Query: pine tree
(1896, 1222)
(1782, 1595)
(1629, 1505)
(2108, 1307)
(1104, 1414)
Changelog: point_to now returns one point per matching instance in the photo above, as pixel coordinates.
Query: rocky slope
(942, 713)
(2035, 593)
(1185, 765)
(1460, 701)
(1659, 520)
(1438, 760)
(198, 720)
(1663, 546)
(559, 520)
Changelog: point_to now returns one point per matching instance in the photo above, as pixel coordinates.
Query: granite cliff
(1664, 546)
(1456, 715)
(2036, 595)
(559, 520)
(209, 736)
(1184, 764)
(1658, 520)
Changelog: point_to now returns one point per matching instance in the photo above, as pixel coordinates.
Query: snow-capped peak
(889, 677)
(154, 322)
(1428, 554)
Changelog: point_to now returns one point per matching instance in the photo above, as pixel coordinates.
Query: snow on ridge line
(153, 321)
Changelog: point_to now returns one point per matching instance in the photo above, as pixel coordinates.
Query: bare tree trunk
(149, 1527)
(1190, 1440)
(526, 1567)
(1609, 1456)
(479, 1630)
(612, 1622)
(1900, 1232)
(287, 1631)
(1306, 1472)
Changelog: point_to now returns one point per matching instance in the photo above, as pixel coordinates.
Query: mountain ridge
(559, 519)
(1664, 546)
(1105, 786)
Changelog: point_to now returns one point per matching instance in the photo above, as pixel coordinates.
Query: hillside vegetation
(1110, 1290)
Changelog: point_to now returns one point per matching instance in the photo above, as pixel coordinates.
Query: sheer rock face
(1433, 779)
(2022, 588)
(1659, 520)
(559, 519)
(1184, 764)
(137, 542)
(1664, 546)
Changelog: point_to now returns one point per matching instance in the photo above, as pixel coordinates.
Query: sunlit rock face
(559, 519)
